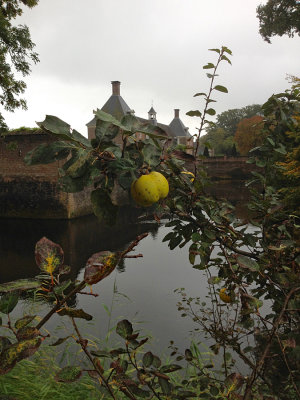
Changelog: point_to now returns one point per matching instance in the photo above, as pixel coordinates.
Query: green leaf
(105, 117)
(221, 88)
(196, 237)
(169, 236)
(74, 313)
(8, 302)
(174, 242)
(234, 381)
(151, 155)
(170, 368)
(247, 263)
(185, 394)
(24, 321)
(144, 394)
(105, 132)
(64, 270)
(270, 140)
(68, 374)
(213, 280)
(216, 50)
(19, 285)
(48, 152)
(224, 48)
(103, 207)
(165, 385)
(226, 59)
(156, 362)
(192, 256)
(4, 343)
(78, 167)
(148, 359)
(188, 355)
(153, 131)
(208, 66)
(60, 288)
(256, 303)
(61, 129)
(210, 111)
(195, 113)
(131, 123)
(124, 328)
(101, 353)
(200, 94)
(214, 391)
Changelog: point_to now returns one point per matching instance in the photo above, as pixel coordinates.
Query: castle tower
(152, 116)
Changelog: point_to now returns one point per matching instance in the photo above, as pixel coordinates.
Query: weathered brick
(32, 191)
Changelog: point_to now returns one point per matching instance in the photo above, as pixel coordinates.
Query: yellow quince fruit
(148, 189)
(224, 296)
(161, 183)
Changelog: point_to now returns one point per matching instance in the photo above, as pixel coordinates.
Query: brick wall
(32, 191)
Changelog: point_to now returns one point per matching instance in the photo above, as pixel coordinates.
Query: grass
(33, 379)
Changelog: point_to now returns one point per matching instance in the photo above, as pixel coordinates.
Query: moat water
(142, 290)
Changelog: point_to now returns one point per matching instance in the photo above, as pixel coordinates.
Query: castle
(33, 192)
(117, 107)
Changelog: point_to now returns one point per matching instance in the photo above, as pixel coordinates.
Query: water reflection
(144, 294)
(79, 238)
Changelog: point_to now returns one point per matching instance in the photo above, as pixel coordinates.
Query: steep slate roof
(116, 106)
(177, 128)
(151, 111)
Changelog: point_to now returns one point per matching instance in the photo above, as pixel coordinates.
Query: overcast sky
(156, 49)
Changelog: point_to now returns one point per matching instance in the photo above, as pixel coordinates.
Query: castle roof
(177, 127)
(115, 105)
(151, 110)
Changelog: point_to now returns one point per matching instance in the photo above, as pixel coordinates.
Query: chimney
(176, 113)
(116, 87)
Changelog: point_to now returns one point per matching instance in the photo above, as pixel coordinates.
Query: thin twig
(77, 289)
(83, 344)
(261, 361)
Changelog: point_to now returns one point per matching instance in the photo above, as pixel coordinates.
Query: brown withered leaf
(27, 332)
(99, 266)
(75, 313)
(48, 255)
(17, 352)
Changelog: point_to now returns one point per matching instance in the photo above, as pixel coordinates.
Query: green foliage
(249, 134)
(220, 135)
(206, 153)
(250, 266)
(204, 123)
(19, 383)
(278, 18)
(108, 167)
(16, 54)
(228, 120)
(257, 266)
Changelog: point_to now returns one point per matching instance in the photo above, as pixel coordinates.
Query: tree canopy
(249, 134)
(16, 55)
(278, 18)
(220, 135)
